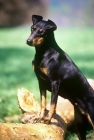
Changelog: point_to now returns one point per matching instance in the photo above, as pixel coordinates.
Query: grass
(16, 57)
(79, 44)
(90, 136)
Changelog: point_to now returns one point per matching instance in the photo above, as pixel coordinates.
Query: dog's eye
(33, 28)
(40, 31)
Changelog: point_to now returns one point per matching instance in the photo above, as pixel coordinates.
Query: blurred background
(75, 35)
(64, 13)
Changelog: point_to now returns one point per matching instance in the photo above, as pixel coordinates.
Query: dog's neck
(49, 42)
(52, 42)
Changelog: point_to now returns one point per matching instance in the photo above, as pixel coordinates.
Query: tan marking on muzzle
(38, 40)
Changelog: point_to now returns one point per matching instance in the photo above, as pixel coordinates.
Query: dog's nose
(28, 41)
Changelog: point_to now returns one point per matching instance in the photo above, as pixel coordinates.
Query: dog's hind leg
(90, 114)
(81, 123)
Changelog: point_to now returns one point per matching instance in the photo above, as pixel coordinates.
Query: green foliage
(16, 57)
(90, 136)
(15, 69)
(79, 44)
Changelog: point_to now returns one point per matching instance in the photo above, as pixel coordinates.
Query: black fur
(57, 73)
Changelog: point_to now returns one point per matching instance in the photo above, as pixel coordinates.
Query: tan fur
(84, 112)
(34, 26)
(41, 30)
(44, 70)
(43, 103)
(33, 66)
(52, 110)
(38, 40)
(90, 121)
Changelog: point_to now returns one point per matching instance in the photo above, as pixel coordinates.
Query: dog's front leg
(43, 100)
(55, 89)
(40, 118)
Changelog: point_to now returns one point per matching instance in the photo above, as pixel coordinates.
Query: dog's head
(40, 30)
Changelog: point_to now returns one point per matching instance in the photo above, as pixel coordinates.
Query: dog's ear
(50, 25)
(36, 18)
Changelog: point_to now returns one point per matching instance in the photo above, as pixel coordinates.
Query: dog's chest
(43, 70)
(40, 69)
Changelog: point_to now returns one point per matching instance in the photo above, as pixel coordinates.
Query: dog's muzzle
(29, 41)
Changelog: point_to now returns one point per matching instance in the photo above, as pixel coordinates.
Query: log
(26, 130)
(30, 108)
(29, 105)
(29, 132)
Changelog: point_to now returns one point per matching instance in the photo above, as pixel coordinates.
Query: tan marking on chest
(44, 70)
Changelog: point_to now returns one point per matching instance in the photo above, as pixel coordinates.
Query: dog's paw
(45, 120)
(38, 120)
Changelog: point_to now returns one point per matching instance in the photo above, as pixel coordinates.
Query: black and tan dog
(57, 73)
